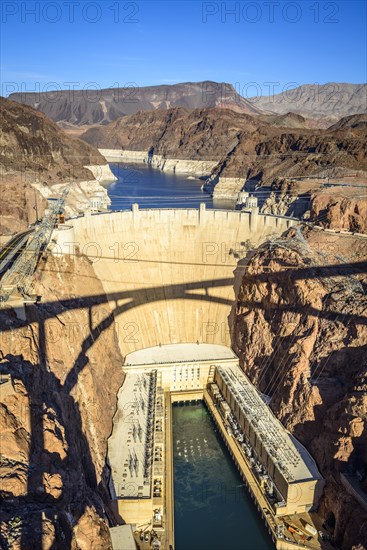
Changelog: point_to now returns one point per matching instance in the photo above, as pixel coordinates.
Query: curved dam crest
(169, 273)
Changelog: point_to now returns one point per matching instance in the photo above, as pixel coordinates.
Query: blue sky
(78, 44)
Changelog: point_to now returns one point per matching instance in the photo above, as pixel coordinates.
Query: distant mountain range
(333, 100)
(86, 107)
(321, 103)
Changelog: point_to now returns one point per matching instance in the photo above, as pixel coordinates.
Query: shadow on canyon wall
(44, 390)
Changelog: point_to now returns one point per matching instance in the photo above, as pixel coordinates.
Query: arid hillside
(357, 123)
(34, 149)
(288, 120)
(244, 146)
(85, 107)
(320, 104)
(328, 102)
(199, 134)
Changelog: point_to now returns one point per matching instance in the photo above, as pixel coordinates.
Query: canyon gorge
(288, 295)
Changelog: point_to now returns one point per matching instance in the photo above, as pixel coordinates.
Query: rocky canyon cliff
(300, 331)
(242, 145)
(56, 412)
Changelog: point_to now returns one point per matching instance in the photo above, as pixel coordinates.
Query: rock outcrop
(35, 150)
(300, 331)
(334, 210)
(278, 205)
(56, 412)
(288, 120)
(340, 205)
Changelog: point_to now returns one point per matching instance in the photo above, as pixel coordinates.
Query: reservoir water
(152, 188)
(213, 510)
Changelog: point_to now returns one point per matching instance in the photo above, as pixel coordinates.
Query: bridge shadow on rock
(181, 291)
(47, 395)
(76, 484)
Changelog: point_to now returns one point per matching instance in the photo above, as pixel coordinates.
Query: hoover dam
(183, 277)
(171, 277)
(170, 274)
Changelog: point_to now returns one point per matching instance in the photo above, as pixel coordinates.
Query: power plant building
(289, 473)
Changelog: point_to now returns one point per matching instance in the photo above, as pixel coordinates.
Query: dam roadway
(176, 270)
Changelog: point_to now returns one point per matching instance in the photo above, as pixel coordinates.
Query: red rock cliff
(56, 413)
(300, 329)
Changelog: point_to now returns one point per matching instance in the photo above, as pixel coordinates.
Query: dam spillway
(169, 274)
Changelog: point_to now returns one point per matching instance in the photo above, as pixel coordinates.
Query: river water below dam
(213, 510)
(153, 188)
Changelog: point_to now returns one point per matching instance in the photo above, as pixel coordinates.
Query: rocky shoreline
(198, 168)
(81, 192)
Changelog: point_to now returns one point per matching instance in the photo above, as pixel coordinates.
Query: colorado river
(213, 510)
(152, 188)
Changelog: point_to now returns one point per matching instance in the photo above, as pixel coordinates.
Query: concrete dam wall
(169, 274)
